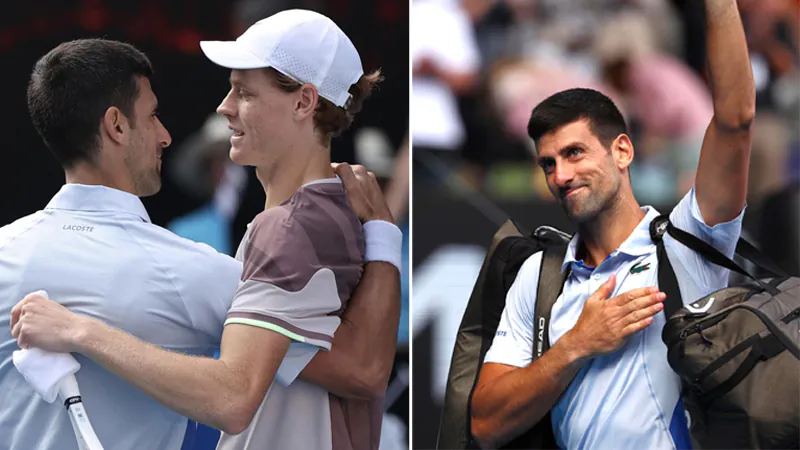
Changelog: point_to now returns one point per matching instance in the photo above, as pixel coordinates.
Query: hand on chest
(583, 281)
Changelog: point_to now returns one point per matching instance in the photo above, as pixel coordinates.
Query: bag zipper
(696, 328)
(700, 326)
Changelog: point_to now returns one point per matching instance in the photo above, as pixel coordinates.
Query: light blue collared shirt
(95, 251)
(628, 399)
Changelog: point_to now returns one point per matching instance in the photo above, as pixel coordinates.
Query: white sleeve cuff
(297, 358)
(384, 242)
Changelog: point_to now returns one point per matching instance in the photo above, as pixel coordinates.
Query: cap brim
(231, 54)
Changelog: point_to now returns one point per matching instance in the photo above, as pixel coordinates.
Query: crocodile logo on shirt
(640, 268)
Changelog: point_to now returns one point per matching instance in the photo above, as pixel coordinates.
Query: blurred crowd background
(204, 196)
(479, 68)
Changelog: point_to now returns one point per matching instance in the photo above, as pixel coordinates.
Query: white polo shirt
(628, 399)
(96, 252)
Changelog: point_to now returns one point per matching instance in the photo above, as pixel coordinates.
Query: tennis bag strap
(666, 276)
(551, 283)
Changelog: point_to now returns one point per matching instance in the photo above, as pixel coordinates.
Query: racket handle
(84, 433)
(68, 387)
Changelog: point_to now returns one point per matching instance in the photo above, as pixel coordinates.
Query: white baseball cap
(303, 45)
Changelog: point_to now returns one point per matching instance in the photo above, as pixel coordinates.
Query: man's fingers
(22, 341)
(637, 326)
(16, 329)
(647, 301)
(343, 170)
(16, 311)
(646, 307)
(351, 183)
(19, 309)
(360, 171)
(373, 181)
(370, 184)
(633, 294)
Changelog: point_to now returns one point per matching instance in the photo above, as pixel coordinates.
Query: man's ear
(115, 125)
(622, 151)
(307, 102)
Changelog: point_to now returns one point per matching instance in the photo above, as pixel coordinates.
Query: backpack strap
(667, 283)
(755, 256)
(666, 276)
(551, 283)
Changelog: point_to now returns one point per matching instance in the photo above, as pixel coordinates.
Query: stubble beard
(590, 207)
(146, 181)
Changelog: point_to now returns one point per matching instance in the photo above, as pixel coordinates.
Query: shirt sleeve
(207, 281)
(513, 340)
(696, 275)
(296, 359)
(285, 288)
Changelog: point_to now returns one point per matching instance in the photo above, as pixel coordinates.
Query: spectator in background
(773, 39)
(670, 103)
(445, 65)
(772, 31)
(203, 170)
(561, 31)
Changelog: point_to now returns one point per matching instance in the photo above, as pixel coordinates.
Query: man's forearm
(732, 86)
(196, 387)
(505, 407)
(722, 172)
(363, 348)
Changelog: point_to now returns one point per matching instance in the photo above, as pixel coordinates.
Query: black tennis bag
(510, 248)
(737, 351)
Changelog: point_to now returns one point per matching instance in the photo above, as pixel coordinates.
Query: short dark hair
(562, 108)
(73, 85)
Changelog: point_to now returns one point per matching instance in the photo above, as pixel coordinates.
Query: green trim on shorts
(266, 325)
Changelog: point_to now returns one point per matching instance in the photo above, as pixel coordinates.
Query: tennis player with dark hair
(309, 269)
(605, 379)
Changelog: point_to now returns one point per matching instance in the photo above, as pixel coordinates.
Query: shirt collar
(335, 180)
(637, 244)
(81, 197)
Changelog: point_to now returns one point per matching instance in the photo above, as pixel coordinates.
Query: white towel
(45, 371)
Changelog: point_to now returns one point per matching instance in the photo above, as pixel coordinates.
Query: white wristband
(384, 242)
